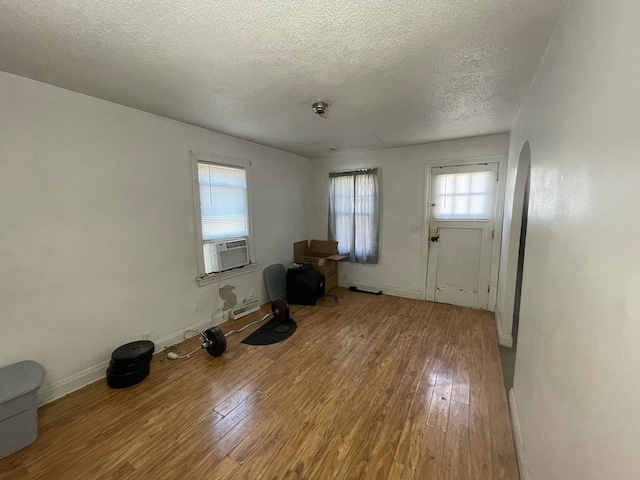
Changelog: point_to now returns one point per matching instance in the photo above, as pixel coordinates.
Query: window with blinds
(464, 196)
(223, 201)
(224, 216)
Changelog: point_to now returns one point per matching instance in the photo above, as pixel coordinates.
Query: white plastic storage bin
(19, 384)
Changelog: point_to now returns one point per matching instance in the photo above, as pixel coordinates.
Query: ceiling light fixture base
(320, 108)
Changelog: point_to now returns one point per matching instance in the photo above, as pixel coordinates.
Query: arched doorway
(523, 180)
(520, 219)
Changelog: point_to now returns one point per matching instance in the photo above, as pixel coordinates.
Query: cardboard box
(323, 257)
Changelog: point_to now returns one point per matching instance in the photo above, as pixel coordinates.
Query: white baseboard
(55, 390)
(60, 388)
(517, 436)
(503, 340)
(387, 290)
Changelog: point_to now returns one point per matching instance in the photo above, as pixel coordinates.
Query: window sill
(218, 277)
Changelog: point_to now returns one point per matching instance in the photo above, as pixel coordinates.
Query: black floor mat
(267, 334)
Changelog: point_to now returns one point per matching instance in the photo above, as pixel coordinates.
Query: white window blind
(464, 196)
(223, 201)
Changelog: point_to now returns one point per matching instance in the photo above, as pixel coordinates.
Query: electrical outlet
(415, 228)
(146, 336)
(345, 277)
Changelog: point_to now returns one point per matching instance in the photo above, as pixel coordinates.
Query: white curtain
(354, 214)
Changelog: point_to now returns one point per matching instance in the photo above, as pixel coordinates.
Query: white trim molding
(386, 289)
(503, 339)
(56, 390)
(517, 436)
(218, 277)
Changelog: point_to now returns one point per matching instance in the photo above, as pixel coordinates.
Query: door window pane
(463, 196)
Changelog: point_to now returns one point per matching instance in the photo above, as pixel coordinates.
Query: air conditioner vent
(244, 310)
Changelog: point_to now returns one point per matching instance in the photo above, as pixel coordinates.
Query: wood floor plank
(415, 433)
(400, 472)
(439, 409)
(504, 465)
(455, 461)
(373, 388)
(460, 388)
(479, 420)
(429, 463)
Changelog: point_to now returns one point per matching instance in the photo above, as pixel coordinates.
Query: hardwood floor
(374, 388)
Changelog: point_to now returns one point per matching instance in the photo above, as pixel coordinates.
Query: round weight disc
(218, 341)
(125, 380)
(282, 328)
(120, 368)
(141, 360)
(134, 351)
(280, 310)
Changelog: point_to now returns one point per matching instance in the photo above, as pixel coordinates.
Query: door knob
(435, 238)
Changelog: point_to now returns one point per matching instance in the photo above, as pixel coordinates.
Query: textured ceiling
(393, 72)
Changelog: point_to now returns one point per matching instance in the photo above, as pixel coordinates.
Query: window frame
(204, 278)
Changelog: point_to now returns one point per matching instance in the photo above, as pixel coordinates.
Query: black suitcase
(304, 285)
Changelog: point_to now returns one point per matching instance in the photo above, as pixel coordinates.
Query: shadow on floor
(508, 362)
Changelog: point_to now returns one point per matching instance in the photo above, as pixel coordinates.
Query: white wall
(402, 181)
(97, 227)
(577, 377)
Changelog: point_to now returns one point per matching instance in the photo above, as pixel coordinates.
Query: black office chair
(276, 282)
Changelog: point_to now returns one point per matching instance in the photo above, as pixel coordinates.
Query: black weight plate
(114, 372)
(280, 310)
(128, 379)
(120, 368)
(141, 360)
(218, 341)
(131, 363)
(133, 351)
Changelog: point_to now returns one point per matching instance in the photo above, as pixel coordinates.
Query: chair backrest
(275, 280)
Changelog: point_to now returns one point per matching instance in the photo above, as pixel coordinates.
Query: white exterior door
(462, 206)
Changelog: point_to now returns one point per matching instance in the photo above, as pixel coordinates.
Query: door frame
(501, 160)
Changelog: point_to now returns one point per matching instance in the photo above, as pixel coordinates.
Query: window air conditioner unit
(221, 256)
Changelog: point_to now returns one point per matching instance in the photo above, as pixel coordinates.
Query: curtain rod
(357, 171)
